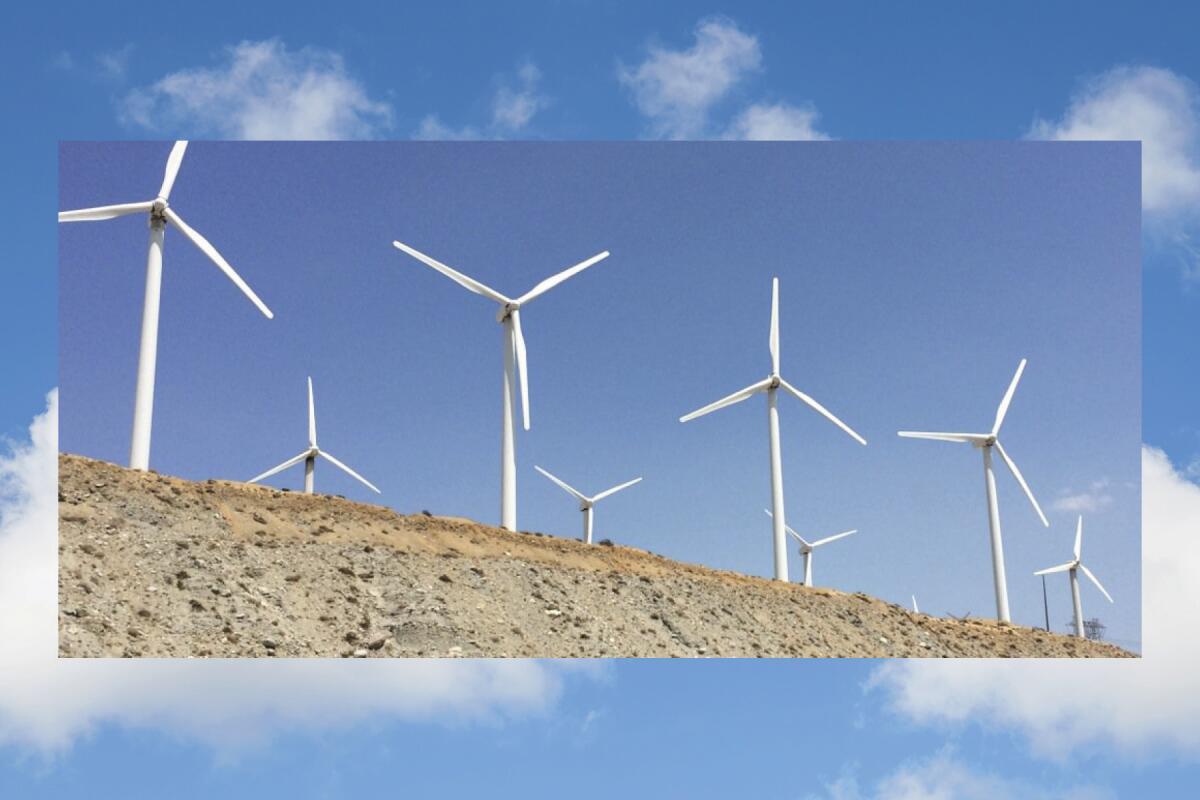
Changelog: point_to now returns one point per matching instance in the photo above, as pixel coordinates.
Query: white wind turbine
(310, 453)
(585, 502)
(985, 442)
(771, 385)
(1072, 567)
(509, 316)
(915, 609)
(807, 547)
(160, 214)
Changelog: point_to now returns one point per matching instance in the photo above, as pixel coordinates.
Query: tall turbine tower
(986, 442)
(771, 385)
(309, 455)
(586, 504)
(509, 317)
(160, 214)
(1071, 568)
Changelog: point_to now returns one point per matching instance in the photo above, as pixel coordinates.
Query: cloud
(775, 122)
(114, 64)
(261, 90)
(677, 89)
(1095, 498)
(514, 105)
(46, 703)
(1140, 708)
(944, 777)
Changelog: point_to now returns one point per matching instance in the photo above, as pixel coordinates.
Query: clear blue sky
(940, 72)
(913, 279)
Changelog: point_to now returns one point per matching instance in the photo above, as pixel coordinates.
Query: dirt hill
(156, 566)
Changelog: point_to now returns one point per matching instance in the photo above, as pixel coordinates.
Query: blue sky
(944, 72)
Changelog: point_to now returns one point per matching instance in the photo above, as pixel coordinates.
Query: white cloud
(677, 89)
(1146, 707)
(114, 64)
(944, 777)
(775, 122)
(46, 703)
(1156, 106)
(1096, 498)
(262, 90)
(514, 105)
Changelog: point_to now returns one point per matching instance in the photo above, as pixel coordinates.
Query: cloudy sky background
(900, 730)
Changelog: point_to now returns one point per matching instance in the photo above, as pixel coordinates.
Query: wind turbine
(585, 502)
(1071, 568)
(915, 609)
(160, 214)
(509, 316)
(771, 385)
(806, 547)
(309, 455)
(985, 442)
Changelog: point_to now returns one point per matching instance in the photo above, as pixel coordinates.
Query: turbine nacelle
(506, 311)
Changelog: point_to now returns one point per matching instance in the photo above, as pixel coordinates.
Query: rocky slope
(155, 566)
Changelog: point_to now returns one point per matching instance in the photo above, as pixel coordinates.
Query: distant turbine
(309, 455)
(160, 214)
(915, 609)
(985, 442)
(1071, 568)
(585, 502)
(806, 548)
(509, 316)
(770, 385)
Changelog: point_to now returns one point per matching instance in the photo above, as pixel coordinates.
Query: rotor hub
(775, 383)
(506, 311)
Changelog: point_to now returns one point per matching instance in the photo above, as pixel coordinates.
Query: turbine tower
(1071, 568)
(986, 442)
(771, 385)
(586, 503)
(509, 316)
(160, 214)
(806, 547)
(309, 455)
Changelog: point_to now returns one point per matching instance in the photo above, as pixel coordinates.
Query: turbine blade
(773, 341)
(173, 162)
(555, 280)
(615, 489)
(1079, 538)
(453, 274)
(1059, 568)
(562, 484)
(833, 538)
(1088, 572)
(103, 212)
(915, 609)
(522, 365)
(312, 417)
(820, 409)
(222, 264)
(1008, 396)
(1012, 466)
(736, 397)
(944, 437)
(280, 468)
(348, 471)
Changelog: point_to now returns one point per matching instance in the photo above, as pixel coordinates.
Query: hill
(153, 566)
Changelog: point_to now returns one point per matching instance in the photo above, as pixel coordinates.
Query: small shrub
(606, 543)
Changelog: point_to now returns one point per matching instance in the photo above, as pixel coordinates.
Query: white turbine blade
(835, 537)
(348, 471)
(820, 409)
(615, 489)
(555, 280)
(944, 437)
(1079, 538)
(1059, 568)
(915, 609)
(173, 162)
(773, 341)
(312, 417)
(280, 468)
(453, 274)
(789, 530)
(562, 484)
(522, 365)
(1088, 572)
(736, 397)
(1012, 466)
(103, 212)
(222, 264)
(1008, 396)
